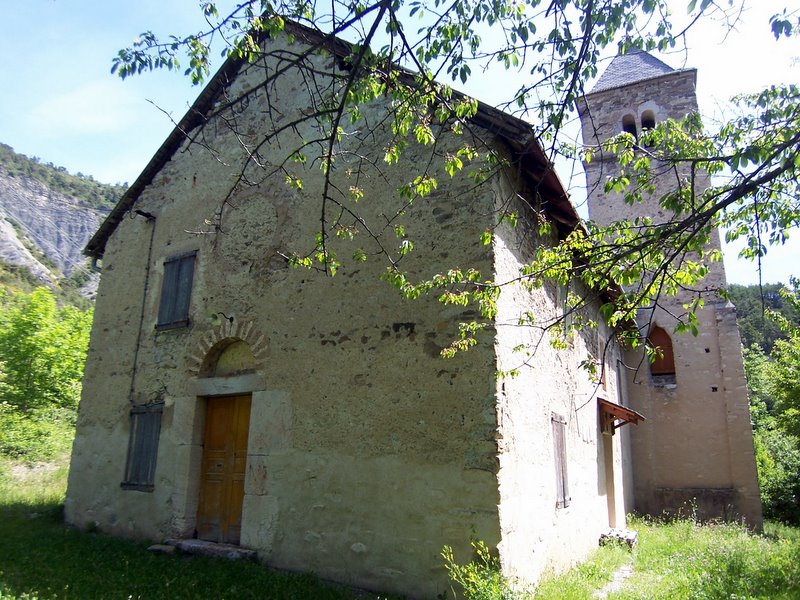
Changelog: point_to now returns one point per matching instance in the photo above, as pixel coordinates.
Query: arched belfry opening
(629, 125)
(229, 356)
(648, 123)
(664, 363)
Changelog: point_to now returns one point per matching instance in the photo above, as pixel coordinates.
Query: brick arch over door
(214, 343)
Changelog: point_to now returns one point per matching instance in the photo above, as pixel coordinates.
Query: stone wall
(367, 451)
(695, 452)
(536, 534)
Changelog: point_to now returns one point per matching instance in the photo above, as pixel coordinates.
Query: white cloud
(95, 107)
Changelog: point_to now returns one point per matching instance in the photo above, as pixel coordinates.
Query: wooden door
(611, 492)
(219, 514)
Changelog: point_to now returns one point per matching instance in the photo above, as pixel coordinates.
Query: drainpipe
(151, 219)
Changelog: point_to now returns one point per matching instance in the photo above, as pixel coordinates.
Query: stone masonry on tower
(695, 451)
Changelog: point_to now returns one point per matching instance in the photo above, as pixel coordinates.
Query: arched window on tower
(648, 119)
(648, 122)
(629, 125)
(664, 363)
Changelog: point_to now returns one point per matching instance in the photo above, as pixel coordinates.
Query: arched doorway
(225, 436)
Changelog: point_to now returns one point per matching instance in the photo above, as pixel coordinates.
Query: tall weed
(479, 579)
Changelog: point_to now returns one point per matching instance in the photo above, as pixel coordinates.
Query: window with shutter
(560, 454)
(176, 291)
(140, 466)
(664, 359)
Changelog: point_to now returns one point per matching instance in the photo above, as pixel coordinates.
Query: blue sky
(60, 102)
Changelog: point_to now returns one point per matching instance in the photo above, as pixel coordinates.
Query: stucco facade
(365, 452)
(550, 384)
(695, 451)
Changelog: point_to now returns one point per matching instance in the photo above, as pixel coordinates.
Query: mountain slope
(47, 215)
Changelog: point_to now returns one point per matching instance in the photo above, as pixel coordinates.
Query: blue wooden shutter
(176, 291)
(183, 293)
(140, 466)
(168, 288)
(560, 455)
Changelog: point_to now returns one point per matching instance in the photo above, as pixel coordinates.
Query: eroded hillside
(46, 217)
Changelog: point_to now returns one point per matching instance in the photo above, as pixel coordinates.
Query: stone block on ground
(619, 536)
(162, 549)
(213, 549)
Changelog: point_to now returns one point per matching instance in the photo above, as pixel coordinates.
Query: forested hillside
(769, 320)
(46, 217)
(83, 188)
(753, 306)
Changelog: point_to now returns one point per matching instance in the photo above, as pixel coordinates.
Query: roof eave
(517, 132)
(193, 117)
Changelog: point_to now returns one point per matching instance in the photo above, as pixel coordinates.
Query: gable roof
(635, 66)
(518, 135)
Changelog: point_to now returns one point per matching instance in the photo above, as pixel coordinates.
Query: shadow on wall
(699, 504)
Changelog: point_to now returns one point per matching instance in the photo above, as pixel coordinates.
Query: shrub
(36, 435)
(43, 350)
(778, 459)
(479, 579)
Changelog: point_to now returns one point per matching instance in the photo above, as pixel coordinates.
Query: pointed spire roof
(636, 65)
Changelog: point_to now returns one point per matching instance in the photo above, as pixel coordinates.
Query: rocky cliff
(54, 223)
(46, 217)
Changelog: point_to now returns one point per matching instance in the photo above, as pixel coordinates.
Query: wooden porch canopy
(613, 416)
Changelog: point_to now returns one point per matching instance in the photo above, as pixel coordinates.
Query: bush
(42, 349)
(479, 579)
(778, 460)
(37, 435)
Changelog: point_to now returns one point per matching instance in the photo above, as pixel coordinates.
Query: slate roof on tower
(636, 65)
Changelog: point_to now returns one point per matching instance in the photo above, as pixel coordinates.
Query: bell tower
(695, 450)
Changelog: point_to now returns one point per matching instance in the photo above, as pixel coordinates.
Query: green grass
(683, 559)
(41, 558)
(686, 560)
(584, 579)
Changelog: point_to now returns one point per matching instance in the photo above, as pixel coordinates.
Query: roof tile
(636, 65)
